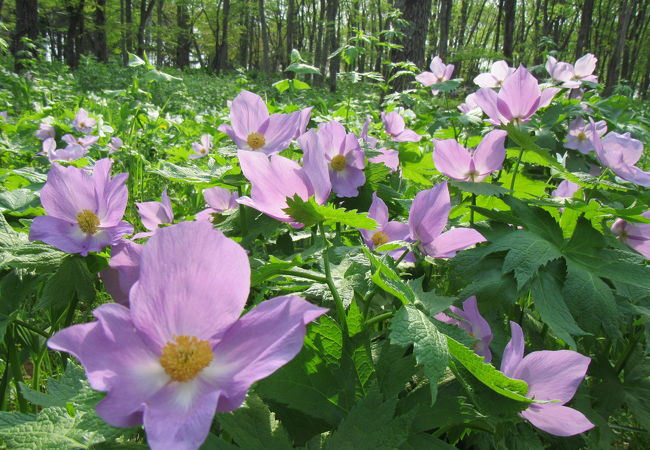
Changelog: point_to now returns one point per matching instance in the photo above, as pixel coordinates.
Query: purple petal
(279, 132)
(491, 152)
(153, 214)
(486, 80)
(393, 122)
(557, 420)
(407, 136)
(448, 243)
(426, 78)
(566, 189)
(514, 351)
(332, 136)
(346, 182)
(486, 99)
(261, 342)
(452, 159)
(547, 96)
(240, 141)
(67, 192)
(378, 210)
(123, 270)
(303, 120)
(207, 294)
(429, 213)
(388, 157)
(220, 199)
(479, 328)
(520, 93)
(585, 66)
(247, 114)
(67, 236)
(629, 148)
(315, 166)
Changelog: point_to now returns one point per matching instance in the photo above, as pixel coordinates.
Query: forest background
(380, 41)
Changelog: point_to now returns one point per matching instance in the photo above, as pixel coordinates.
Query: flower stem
(304, 274)
(15, 363)
(378, 318)
(340, 309)
(242, 214)
(514, 175)
(620, 364)
(471, 211)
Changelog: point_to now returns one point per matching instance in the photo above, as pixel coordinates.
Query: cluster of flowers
(177, 353)
(76, 147)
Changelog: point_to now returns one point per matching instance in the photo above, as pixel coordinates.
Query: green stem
(16, 371)
(340, 309)
(378, 318)
(471, 211)
(37, 369)
(301, 274)
(32, 328)
(242, 214)
(371, 293)
(514, 175)
(591, 192)
(3, 387)
(69, 316)
(627, 352)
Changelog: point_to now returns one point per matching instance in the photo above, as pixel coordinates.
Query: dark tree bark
(265, 37)
(380, 50)
(584, 33)
(498, 33)
(320, 57)
(331, 42)
(101, 51)
(72, 50)
(128, 16)
(145, 14)
(443, 25)
(291, 23)
(159, 25)
(464, 13)
(222, 55)
(508, 28)
(26, 27)
(183, 38)
(614, 66)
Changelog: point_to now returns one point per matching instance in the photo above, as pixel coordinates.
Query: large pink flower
(459, 163)
(182, 352)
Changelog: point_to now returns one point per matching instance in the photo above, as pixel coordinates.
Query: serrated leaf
(19, 200)
(410, 326)
(432, 302)
(536, 220)
(389, 281)
(311, 213)
(549, 302)
(371, 424)
(487, 374)
(31, 256)
(72, 278)
(192, 175)
(253, 426)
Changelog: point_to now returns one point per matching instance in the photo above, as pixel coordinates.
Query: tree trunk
(613, 68)
(101, 50)
(265, 37)
(331, 43)
(128, 16)
(72, 50)
(320, 57)
(585, 28)
(508, 28)
(464, 13)
(145, 13)
(183, 39)
(498, 33)
(222, 54)
(291, 12)
(26, 27)
(443, 25)
(159, 41)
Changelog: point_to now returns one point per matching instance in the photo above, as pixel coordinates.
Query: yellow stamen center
(256, 140)
(88, 221)
(379, 238)
(581, 136)
(339, 163)
(185, 356)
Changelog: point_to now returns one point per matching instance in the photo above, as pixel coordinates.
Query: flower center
(338, 163)
(185, 356)
(379, 238)
(256, 140)
(88, 221)
(581, 136)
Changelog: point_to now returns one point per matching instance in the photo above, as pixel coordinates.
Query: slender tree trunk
(101, 50)
(331, 41)
(128, 16)
(222, 54)
(265, 37)
(145, 14)
(26, 27)
(291, 23)
(380, 50)
(464, 13)
(498, 33)
(585, 28)
(614, 66)
(416, 14)
(183, 39)
(159, 25)
(443, 25)
(72, 49)
(508, 28)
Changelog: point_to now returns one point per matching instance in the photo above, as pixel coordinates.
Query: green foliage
(311, 213)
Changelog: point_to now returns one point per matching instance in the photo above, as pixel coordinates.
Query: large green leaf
(410, 326)
(311, 213)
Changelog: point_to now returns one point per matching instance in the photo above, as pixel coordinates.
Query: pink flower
(304, 116)
(458, 163)
(154, 214)
(388, 157)
(254, 129)
(203, 148)
(471, 320)
(518, 99)
(395, 127)
(45, 131)
(386, 231)
(636, 235)
(551, 375)
(84, 210)
(579, 135)
(343, 156)
(439, 73)
(572, 76)
(115, 144)
(181, 352)
(85, 141)
(122, 271)
(496, 76)
(565, 189)
(218, 200)
(82, 123)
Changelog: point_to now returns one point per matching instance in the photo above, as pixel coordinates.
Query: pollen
(88, 221)
(185, 356)
(581, 136)
(339, 163)
(379, 238)
(256, 140)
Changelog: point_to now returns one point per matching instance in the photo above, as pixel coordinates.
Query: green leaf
(410, 326)
(8, 236)
(549, 302)
(59, 392)
(31, 256)
(389, 281)
(433, 303)
(253, 426)
(445, 86)
(527, 252)
(487, 189)
(487, 374)
(282, 85)
(371, 424)
(300, 85)
(536, 220)
(135, 60)
(190, 174)
(311, 213)
(72, 278)
(19, 200)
